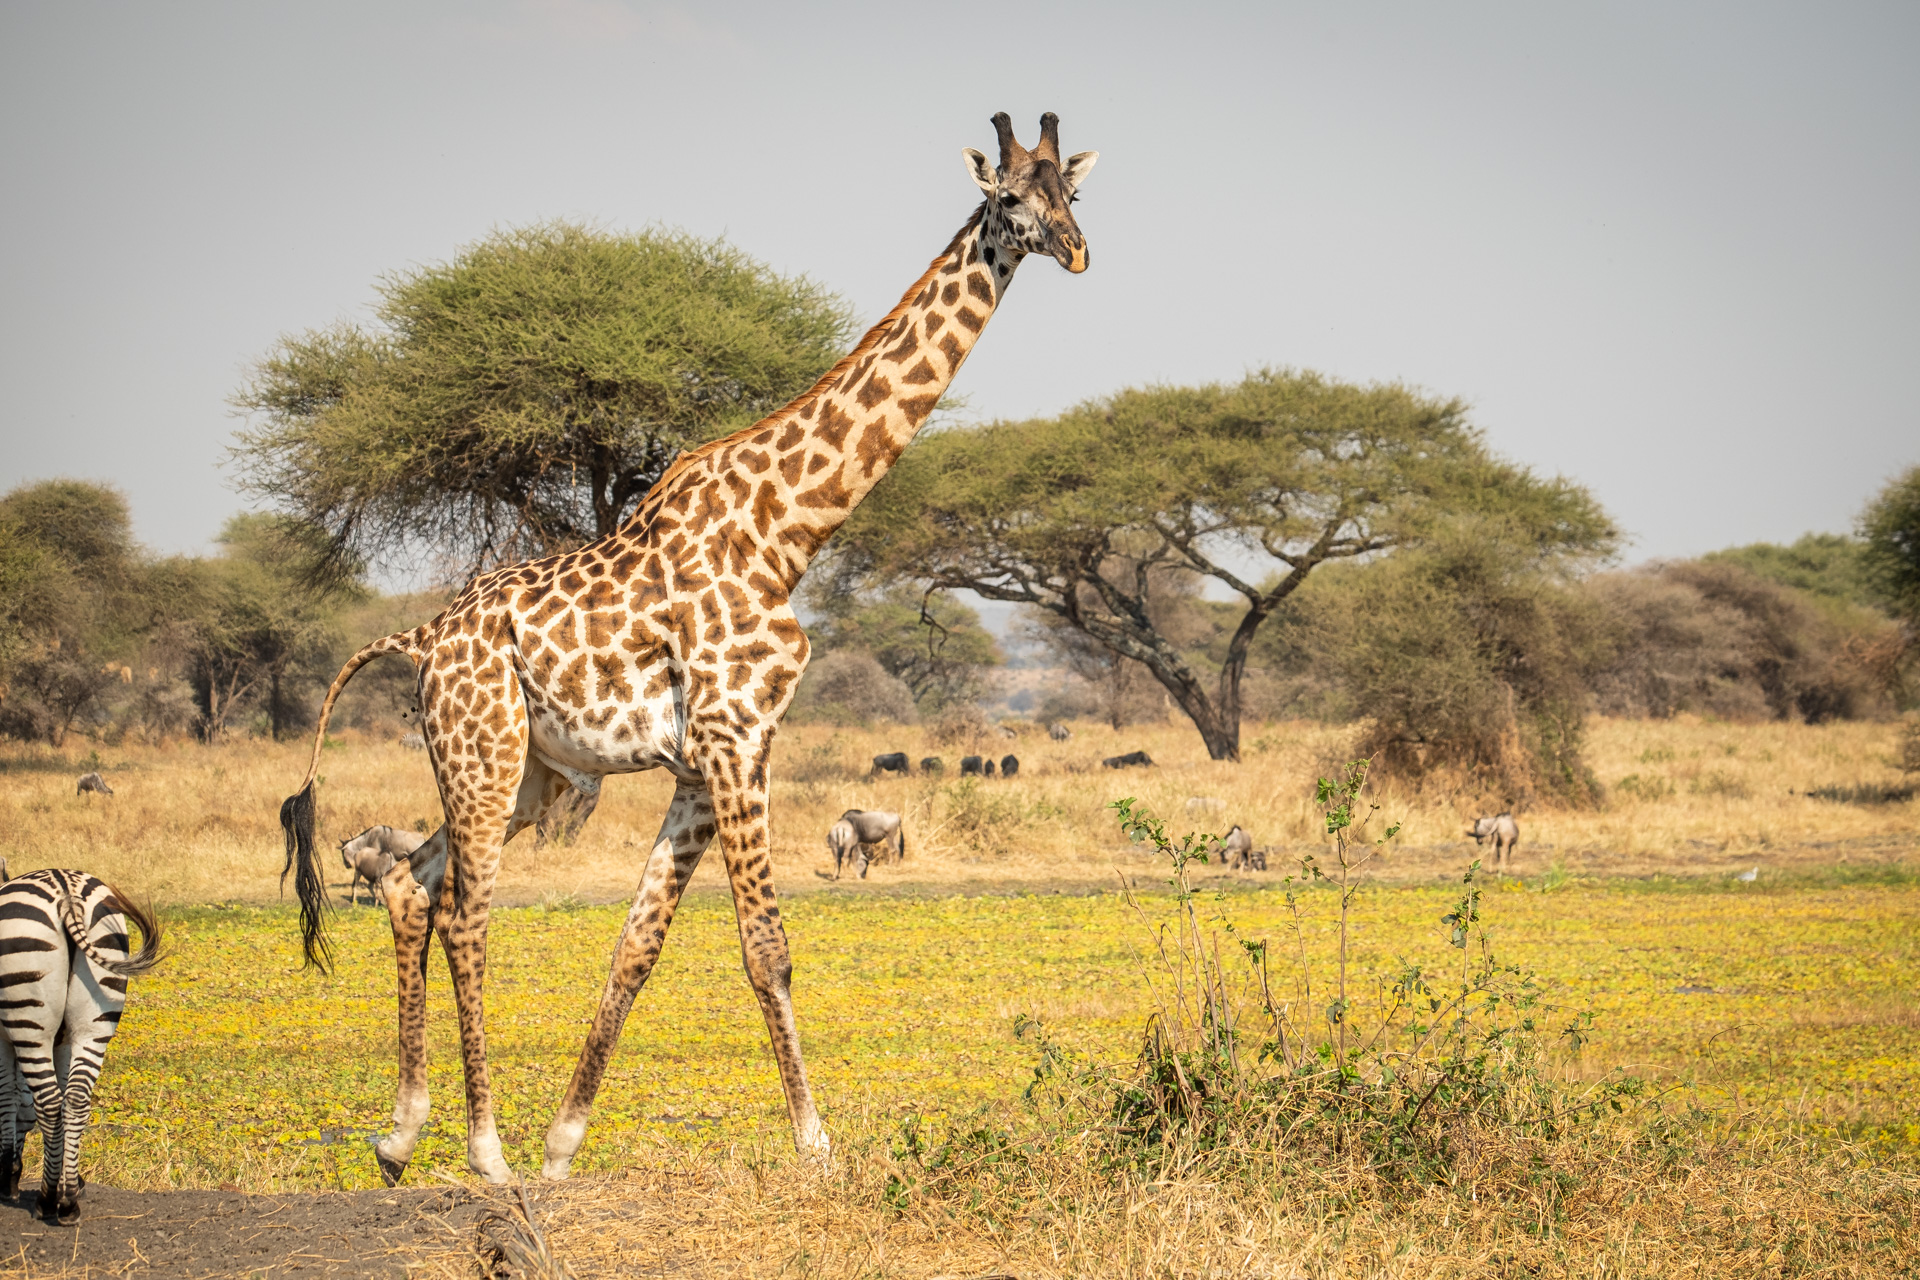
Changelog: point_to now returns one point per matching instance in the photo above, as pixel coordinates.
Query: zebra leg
(13, 1138)
(684, 836)
(76, 1098)
(48, 1105)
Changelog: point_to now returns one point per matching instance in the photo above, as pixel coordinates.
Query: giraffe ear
(1077, 168)
(980, 170)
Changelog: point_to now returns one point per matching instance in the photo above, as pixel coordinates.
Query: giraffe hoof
(391, 1171)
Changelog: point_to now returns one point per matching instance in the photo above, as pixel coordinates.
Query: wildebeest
(892, 762)
(971, 766)
(1131, 758)
(858, 830)
(1059, 732)
(1009, 765)
(1236, 849)
(1503, 831)
(92, 782)
(843, 842)
(372, 853)
(932, 764)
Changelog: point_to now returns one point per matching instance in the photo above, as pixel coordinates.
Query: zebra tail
(151, 934)
(76, 926)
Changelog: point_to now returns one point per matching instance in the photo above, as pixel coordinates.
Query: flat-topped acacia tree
(1087, 515)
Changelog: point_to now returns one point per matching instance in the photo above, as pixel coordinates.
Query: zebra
(64, 965)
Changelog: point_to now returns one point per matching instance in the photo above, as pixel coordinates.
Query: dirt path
(169, 1234)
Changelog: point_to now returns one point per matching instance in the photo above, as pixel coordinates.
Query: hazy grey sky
(1670, 250)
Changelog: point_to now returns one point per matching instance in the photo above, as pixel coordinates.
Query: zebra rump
(64, 965)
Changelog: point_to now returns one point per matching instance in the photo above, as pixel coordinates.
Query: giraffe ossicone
(670, 644)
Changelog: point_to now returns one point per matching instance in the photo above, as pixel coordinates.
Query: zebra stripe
(64, 966)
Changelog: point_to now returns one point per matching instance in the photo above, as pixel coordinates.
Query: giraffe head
(1029, 192)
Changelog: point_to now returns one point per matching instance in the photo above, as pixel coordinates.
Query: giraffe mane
(865, 346)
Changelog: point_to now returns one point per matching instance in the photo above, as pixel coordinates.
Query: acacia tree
(1086, 516)
(71, 603)
(251, 624)
(935, 646)
(1890, 527)
(524, 397)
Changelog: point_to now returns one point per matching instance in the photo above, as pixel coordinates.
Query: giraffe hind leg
(684, 835)
(415, 891)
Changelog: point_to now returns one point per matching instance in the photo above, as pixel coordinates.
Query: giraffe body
(669, 644)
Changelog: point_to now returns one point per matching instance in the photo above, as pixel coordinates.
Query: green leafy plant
(1237, 1063)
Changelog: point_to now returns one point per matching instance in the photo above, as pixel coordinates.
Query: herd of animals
(670, 643)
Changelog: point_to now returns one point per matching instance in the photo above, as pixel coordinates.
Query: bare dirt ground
(169, 1234)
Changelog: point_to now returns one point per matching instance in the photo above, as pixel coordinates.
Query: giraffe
(669, 644)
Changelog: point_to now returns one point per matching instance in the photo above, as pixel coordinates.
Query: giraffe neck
(799, 472)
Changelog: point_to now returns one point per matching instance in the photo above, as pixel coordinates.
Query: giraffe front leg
(409, 900)
(684, 836)
(740, 810)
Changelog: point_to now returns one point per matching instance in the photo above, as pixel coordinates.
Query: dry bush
(1465, 663)
(963, 727)
(849, 688)
(1713, 638)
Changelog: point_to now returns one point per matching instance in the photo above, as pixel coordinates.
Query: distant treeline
(100, 638)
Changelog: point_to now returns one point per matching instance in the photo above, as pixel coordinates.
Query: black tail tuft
(309, 886)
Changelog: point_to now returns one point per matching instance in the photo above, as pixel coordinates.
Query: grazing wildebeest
(971, 766)
(1236, 848)
(1009, 765)
(843, 842)
(1059, 732)
(892, 762)
(932, 764)
(869, 827)
(1131, 758)
(1503, 831)
(92, 782)
(372, 853)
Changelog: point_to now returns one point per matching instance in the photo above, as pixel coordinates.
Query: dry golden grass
(191, 824)
(1803, 1044)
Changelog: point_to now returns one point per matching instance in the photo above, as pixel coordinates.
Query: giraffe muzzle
(1071, 253)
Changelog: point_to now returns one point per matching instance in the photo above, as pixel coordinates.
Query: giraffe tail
(296, 812)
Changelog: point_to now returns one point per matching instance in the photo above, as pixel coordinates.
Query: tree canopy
(523, 397)
(1890, 527)
(1094, 515)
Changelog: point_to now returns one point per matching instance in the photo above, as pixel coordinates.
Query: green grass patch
(232, 1065)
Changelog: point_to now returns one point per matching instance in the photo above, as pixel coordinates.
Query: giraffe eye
(1009, 201)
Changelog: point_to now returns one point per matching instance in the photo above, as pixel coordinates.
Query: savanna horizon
(192, 824)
